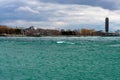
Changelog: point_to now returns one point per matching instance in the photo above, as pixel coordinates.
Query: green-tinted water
(60, 58)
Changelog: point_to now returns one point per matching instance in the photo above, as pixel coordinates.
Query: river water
(59, 58)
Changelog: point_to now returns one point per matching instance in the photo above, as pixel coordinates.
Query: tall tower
(106, 24)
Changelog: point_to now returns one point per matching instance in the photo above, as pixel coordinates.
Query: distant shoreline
(38, 32)
(14, 35)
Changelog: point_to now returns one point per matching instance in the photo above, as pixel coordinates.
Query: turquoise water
(60, 58)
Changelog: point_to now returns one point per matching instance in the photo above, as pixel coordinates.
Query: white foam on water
(62, 42)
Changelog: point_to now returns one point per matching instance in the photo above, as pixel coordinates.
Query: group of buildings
(32, 31)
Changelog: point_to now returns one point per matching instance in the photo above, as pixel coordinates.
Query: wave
(64, 42)
(115, 45)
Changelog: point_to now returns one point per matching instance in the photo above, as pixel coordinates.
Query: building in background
(107, 25)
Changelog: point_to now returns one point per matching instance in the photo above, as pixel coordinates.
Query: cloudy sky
(60, 14)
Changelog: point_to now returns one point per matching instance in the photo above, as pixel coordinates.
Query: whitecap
(60, 42)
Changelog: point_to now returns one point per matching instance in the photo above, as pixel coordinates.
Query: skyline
(58, 14)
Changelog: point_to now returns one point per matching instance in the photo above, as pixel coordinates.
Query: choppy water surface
(60, 58)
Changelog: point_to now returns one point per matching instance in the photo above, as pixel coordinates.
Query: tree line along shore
(37, 32)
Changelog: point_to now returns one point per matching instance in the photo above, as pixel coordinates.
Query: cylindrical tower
(107, 25)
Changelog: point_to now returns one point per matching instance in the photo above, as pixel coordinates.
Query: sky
(60, 14)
